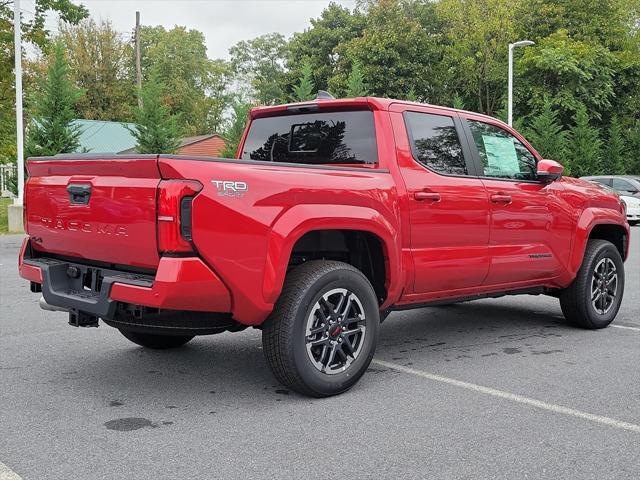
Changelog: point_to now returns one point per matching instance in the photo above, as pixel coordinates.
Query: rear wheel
(157, 342)
(322, 333)
(594, 298)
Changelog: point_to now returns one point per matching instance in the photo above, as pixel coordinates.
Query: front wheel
(156, 342)
(593, 299)
(322, 333)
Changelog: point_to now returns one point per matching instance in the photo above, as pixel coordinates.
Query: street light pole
(522, 43)
(17, 36)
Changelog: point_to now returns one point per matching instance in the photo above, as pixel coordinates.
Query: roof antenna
(324, 95)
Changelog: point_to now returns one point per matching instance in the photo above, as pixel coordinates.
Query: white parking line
(626, 328)
(7, 474)
(612, 422)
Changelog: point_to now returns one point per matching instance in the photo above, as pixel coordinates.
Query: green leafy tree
(546, 134)
(53, 110)
(585, 147)
(34, 34)
(569, 73)
(157, 130)
(632, 138)
(233, 135)
(260, 64)
(477, 34)
(399, 50)
(336, 26)
(458, 102)
(355, 82)
(305, 89)
(195, 86)
(614, 153)
(99, 60)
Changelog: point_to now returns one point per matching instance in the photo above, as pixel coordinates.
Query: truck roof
(369, 103)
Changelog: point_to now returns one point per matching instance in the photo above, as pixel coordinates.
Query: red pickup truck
(333, 214)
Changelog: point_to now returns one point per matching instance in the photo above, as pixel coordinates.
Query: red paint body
(444, 237)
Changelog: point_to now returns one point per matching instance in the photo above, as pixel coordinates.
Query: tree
(305, 88)
(398, 49)
(477, 34)
(156, 129)
(195, 86)
(569, 73)
(614, 154)
(100, 64)
(53, 110)
(458, 102)
(546, 134)
(260, 64)
(632, 138)
(585, 152)
(336, 26)
(233, 135)
(355, 81)
(34, 33)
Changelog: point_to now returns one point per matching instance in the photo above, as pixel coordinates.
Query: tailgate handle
(79, 194)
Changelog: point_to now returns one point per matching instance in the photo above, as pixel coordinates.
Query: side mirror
(549, 171)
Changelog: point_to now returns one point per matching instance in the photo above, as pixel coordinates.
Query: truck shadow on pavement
(231, 369)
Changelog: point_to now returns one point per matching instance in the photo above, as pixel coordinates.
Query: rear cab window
(345, 138)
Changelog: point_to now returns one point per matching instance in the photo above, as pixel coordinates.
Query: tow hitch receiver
(82, 319)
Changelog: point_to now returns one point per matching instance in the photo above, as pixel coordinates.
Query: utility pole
(17, 36)
(138, 68)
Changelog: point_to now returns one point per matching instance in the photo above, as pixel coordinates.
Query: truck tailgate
(101, 209)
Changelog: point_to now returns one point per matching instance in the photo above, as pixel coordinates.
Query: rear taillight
(174, 215)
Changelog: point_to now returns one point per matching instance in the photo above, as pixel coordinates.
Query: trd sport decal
(228, 188)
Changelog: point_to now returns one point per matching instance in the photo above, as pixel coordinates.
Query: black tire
(634, 222)
(576, 300)
(157, 342)
(312, 292)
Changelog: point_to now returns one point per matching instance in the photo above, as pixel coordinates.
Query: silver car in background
(628, 187)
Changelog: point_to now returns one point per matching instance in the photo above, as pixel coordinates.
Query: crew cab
(334, 214)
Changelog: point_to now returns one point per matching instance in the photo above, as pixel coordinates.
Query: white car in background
(628, 187)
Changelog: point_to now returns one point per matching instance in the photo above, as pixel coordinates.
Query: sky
(223, 22)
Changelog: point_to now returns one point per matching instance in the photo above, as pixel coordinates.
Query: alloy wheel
(604, 286)
(335, 331)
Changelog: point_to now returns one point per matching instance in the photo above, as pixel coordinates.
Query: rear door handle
(424, 196)
(500, 198)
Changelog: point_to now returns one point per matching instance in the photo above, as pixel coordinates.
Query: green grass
(4, 222)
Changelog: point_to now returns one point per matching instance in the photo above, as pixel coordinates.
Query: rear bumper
(180, 283)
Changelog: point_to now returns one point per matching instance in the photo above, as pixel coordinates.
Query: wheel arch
(604, 224)
(346, 222)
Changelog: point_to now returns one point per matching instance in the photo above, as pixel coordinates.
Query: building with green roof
(100, 136)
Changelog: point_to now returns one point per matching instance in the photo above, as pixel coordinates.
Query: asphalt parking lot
(497, 388)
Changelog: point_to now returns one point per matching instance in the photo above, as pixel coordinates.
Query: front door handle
(427, 196)
(500, 198)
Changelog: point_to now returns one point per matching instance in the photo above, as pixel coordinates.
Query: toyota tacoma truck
(334, 214)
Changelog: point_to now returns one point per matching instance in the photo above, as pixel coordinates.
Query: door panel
(448, 213)
(531, 224)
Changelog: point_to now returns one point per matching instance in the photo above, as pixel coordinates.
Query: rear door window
(326, 138)
(435, 143)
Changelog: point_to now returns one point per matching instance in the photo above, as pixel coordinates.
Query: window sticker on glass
(502, 158)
